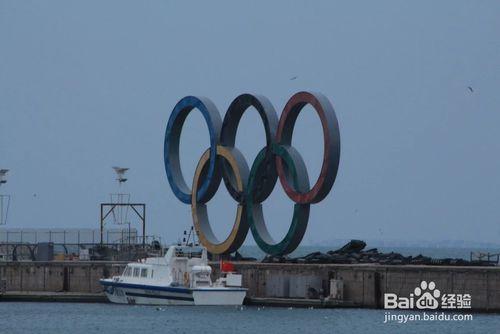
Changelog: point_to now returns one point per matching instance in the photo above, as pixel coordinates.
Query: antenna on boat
(191, 237)
(195, 237)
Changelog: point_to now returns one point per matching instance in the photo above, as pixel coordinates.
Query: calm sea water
(108, 318)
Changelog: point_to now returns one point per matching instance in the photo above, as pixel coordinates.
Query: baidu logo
(427, 297)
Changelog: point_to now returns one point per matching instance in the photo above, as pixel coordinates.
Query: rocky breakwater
(354, 253)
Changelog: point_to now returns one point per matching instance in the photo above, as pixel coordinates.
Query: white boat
(181, 277)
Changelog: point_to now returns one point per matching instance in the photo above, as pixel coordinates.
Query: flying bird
(470, 88)
(293, 78)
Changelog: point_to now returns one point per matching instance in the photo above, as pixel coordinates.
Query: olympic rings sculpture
(249, 187)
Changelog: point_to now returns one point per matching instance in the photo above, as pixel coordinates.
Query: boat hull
(124, 293)
(225, 296)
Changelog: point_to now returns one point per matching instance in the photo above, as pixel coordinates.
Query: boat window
(152, 272)
(127, 271)
(144, 272)
(136, 272)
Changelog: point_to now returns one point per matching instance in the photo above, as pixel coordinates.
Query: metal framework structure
(138, 208)
(118, 244)
(249, 187)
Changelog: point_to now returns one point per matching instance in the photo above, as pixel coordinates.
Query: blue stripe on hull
(146, 287)
(224, 289)
(134, 294)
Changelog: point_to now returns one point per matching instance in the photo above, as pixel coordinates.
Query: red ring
(331, 142)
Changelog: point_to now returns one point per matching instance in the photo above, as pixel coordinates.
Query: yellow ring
(199, 210)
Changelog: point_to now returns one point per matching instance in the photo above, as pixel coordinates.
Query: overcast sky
(90, 84)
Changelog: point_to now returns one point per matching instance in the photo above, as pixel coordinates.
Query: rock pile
(353, 253)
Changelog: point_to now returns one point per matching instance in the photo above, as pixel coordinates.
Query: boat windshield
(127, 271)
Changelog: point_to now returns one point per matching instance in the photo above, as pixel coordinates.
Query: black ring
(267, 174)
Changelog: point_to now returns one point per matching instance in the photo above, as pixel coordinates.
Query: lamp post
(4, 199)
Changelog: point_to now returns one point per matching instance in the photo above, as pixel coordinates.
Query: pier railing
(119, 244)
(63, 236)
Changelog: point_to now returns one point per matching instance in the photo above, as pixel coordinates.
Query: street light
(120, 173)
(3, 173)
(4, 199)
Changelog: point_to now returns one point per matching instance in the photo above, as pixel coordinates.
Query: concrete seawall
(57, 276)
(363, 285)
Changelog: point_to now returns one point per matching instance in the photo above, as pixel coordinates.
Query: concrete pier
(364, 285)
(57, 276)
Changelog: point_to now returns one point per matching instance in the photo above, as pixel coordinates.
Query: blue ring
(171, 148)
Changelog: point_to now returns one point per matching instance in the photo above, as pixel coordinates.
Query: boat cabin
(185, 266)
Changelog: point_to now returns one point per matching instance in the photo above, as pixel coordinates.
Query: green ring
(298, 176)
